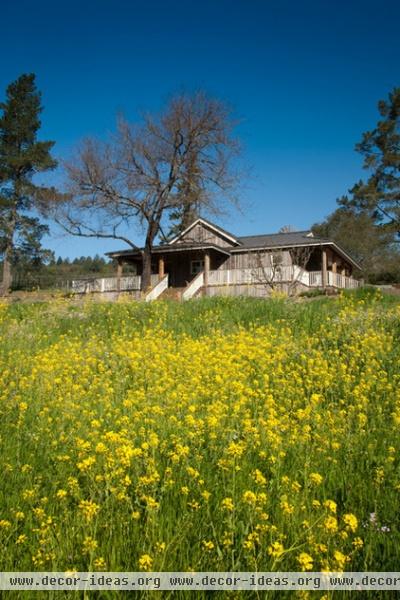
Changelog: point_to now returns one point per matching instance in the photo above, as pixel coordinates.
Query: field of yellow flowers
(223, 434)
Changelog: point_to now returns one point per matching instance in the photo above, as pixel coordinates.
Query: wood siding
(203, 235)
(252, 260)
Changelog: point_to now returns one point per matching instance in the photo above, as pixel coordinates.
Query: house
(207, 260)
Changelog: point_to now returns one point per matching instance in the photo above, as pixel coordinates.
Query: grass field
(221, 434)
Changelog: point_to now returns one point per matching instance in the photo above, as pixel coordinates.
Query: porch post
(161, 269)
(119, 274)
(334, 271)
(206, 267)
(323, 268)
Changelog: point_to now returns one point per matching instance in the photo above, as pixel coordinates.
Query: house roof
(249, 243)
(278, 239)
(226, 234)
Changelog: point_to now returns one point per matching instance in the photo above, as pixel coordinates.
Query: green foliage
(368, 243)
(21, 158)
(379, 196)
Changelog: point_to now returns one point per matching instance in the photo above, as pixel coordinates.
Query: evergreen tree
(21, 157)
(370, 244)
(379, 196)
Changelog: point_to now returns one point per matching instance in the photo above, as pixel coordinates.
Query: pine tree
(21, 157)
(379, 196)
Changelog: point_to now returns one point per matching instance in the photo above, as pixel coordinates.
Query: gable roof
(277, 239)
(222, 232)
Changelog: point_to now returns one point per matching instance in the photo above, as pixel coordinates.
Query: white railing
(315, 279)
(334, 280)
(193, 286)
(110, 284)
(158, 289)
(256, 275)
(342, 281)
(280, 275)
(106, 284)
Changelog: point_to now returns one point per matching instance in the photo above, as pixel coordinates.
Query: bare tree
(140, 174)
(269, 268)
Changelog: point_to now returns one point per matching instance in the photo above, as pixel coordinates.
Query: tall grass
(219, 434)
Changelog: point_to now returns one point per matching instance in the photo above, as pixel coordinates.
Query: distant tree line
(59, 272)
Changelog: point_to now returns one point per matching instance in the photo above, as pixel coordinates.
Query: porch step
(172, 293)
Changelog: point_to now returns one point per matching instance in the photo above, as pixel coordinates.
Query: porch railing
(193, 286)
(158, 289)
(219, 278)
(127, 283)
(256, 275)
(282, 274)
(342, 281)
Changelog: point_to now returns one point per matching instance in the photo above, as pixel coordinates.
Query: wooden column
(334, 271)
(161, 268)
(119, 274)
(324, 268)
(206, 267)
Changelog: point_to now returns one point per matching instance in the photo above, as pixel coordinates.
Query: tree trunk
(146, 273)
(146, 254)
(7, 275)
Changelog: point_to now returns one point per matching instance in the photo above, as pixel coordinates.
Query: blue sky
(304, 77)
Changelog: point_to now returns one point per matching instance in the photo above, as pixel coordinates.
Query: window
(196, 266)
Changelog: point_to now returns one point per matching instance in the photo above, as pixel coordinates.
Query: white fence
(109, 284)
(256, 275)
(282, 274)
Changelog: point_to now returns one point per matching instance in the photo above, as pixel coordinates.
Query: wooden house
(208, 260)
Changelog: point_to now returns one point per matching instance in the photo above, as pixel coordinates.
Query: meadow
(221, 434)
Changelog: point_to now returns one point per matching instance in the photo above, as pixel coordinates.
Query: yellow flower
(5, 524)
(208, 545)
(351, 521)
(331, 524)
(305, 561)
(331, 505)
(89, 509)
(100, 563)
(316, 478)
(61, 494)
(276, 549)
(21, 539)
(358, 542)
(89, 545)
(249, 497)
(227, 504)
(259, 477)
(340, 559)
(145, 562)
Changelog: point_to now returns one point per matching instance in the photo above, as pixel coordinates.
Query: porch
(226, 281)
